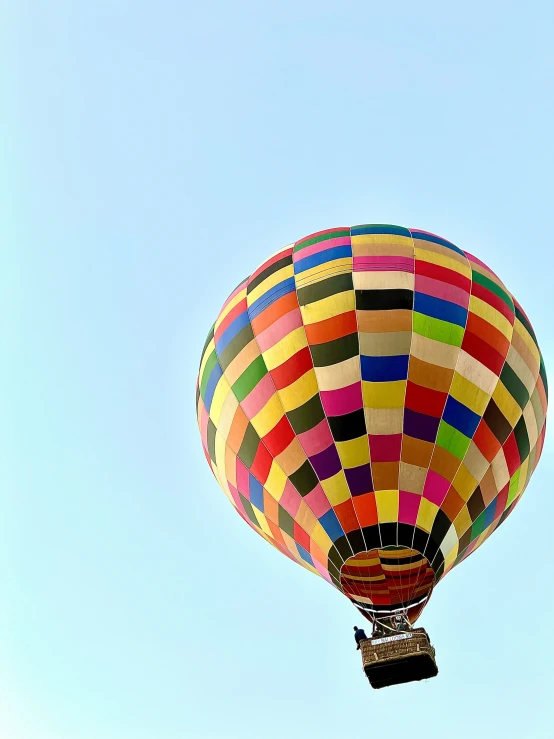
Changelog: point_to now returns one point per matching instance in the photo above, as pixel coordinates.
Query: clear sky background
(152, 155)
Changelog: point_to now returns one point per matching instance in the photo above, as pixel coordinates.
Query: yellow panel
(336, 488)
(269, 416)
(507, 404)
(222, 391)
(299, 392)
(464, 483)
(323, 271)
(387, 505)
(208, 352)
(276, 481)
(527, 338)
(321, 538)
(262, 521)
(353, 453)
(523, 477)
(426, 514)
(469, 394)
(384, 394)
(500, 470)
(430, 256)
(280, 276)
(376, 239)
(227, 415)
(491, 315)
(462, 522)
(305, 517)
(329, 307)
(286, 348)
(450, 559)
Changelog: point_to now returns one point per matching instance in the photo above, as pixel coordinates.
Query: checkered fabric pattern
(372, 400)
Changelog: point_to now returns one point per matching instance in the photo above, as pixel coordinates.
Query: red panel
(280, 437)
(424, 400)
(229, 318)
(482, 352)
(332, 328)
(511, 453)
(486, 441)
(385, 448)
(347, 516)
(291, 370)
(261, 464)
(426, 269)
(301, 537)
(366, 509)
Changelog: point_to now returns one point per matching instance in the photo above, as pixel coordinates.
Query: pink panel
(255, 401)
(408, 507)
(317, 501)
(317, 439)
(344, 400)
(435, 488)
(279, 329)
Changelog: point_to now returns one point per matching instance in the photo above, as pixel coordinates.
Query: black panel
(405, 534)
(343, 547)
(307, 416)
(325, 288)
(384, 299)
(235, 346)
(335, 557)
(420, 540)
(304, 479)
(475, 504)
(347, 427)
(497, 422)
(388, 534)
(356, 541)
(286, 521)
(371, 536)
(522, 439)
(268, 271)
(338, 350)
(249, 446)
(211, 439)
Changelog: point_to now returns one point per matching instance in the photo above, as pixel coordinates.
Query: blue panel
(384, 369)
(489, 513)
(437, 240)
(256, 493)
(379, 228)
(259, 305)
(306, 556)
(211, 385)
(460, 417)
(442, 309)
(331, 524)
(231, 331)
(337, 252)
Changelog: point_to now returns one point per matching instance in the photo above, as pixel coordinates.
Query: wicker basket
(400, 658)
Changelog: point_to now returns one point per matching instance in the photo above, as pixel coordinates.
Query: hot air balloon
(372, 400)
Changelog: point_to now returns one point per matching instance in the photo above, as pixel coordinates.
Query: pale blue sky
(153, 154)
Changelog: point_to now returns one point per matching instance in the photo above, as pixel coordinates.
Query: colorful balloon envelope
(372, 400)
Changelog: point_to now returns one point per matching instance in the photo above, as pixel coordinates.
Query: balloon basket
(401, 658)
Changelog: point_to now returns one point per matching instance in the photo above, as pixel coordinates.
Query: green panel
(478, 526)
(250, 378)
(514, 386)
(322, 237)
(514, 484)
(452, 440)
(208, 367)
(249, 510)
(434, 328)
(493, 287)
